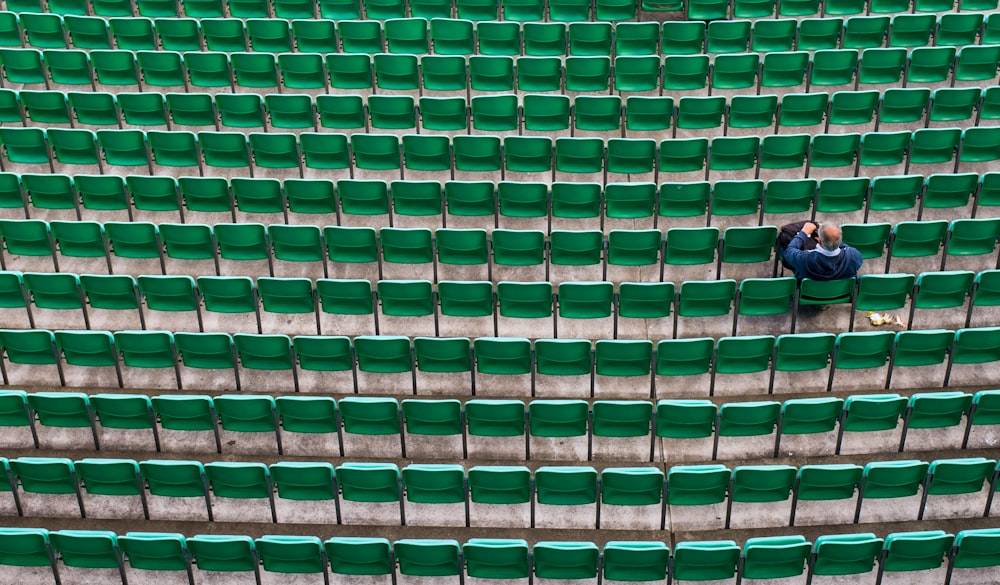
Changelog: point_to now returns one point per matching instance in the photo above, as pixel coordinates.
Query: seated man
(832, 259)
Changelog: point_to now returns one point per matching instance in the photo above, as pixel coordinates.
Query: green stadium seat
(459, 302)
(834, 67)
(818, 488)
(868, 414)
(503, 357)
(883, 292)
(623, 490)
(921, 348)
(350, 71)
(763, 297)
(89, 349)
(304, 488)
(30, 347)
(964, 478)
(915, 551)
(437, 418)
(268, 354)
(507, 486)
(972, 347)
(429, 557)
(493, 419)
(685, 357)
(957, 30)
(15, 414)
(891, 479)
(939, 410)
(369, 416)
(359, 556)
(742, 356)
(696, 485)
(27, 547)
(976, 63)
(291, 555)
(212, 351)
(706, 560)
(544, 39)
(930, 65)
(48, 486)
(452, 36)
(775, 557)
(370, 483)
(115, 483)
(249, 414)
(565, 560)
(735, 71)
(434, 494)
(982, 413)
(566, 486)
(865, 32)
(177, 489)
(622, 367)
(88, 549)
(846, 554)
(805, 352)
(224, 553)
(650, 301)
(728, 36)
(384, 355)
(307, 414)
(155, 551)
(745, 420)
(973, 551)
(819, 33)
(871, 239)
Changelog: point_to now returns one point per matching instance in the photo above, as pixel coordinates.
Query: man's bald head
(830, 236)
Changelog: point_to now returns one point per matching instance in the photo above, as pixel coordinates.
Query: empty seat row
(507, 366)
(537, 157)
(712, 9)
(488, 205)
(563, 10)
(515, 10)
(505, 113)
(444, 36)
(651, 74)
(619, 430)
(628, 498)
(970, 554)
(458, 254)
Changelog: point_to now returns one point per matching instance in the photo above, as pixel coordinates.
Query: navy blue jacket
(817, 266)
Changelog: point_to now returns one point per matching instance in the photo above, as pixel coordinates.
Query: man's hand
(809, 228)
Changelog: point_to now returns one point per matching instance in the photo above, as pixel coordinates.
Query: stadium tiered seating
(635, 74)
(616, 368)
(441, 35)
(506, 204)
(422, 494)
(500, 113)
(626, 429)
(969, 553)
(380, 291)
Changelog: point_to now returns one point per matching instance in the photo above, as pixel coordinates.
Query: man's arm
(794, 252)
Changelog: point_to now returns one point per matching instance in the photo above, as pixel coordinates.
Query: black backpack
(787, 233)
